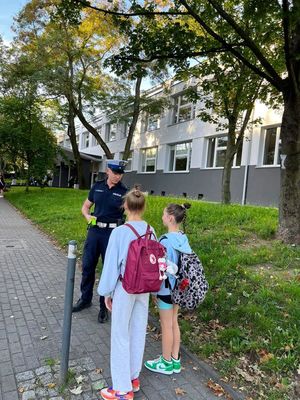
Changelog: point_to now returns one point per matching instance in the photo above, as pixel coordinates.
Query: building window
(125, 125)
(153, 122)
(272, 146)
(94, 140)
(149, 159)
(184, 109)
(129, 161)
(180, 157)
(111, 132)
(216, 153)
(85, 140)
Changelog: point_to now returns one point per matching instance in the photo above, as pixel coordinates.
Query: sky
(8, 9)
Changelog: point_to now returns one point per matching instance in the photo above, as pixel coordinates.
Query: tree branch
(248, 41)
(176, 55)
(276, 82)
(134, 14)
(287, 44)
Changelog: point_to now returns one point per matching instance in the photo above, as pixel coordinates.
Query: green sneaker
(160, 365)
(176, 365)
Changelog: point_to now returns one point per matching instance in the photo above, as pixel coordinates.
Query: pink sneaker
(135, 385)
(111, 394)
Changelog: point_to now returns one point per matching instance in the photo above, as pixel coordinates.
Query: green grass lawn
(248, 326)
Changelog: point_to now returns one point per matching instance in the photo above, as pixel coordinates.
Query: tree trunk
(226, 176)
(135, 116)
(91, 129)
(76, 153)
(289, 208)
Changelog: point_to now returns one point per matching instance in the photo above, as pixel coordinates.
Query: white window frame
(153, 122)
(216, 149)
(145, 158)
(94, 140)
(85, 140)
(276, 161)
(178, 156)
(129, 165)
(179, 106)
(109, 126)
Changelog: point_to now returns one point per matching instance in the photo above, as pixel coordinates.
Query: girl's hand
(108, 303)
(154, 299)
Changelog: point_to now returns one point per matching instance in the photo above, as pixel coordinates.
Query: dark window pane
(172, 154)
(181, 164)
(279, 152)
(220, 161)
(222, 141)
(210, 153)
(270, 142)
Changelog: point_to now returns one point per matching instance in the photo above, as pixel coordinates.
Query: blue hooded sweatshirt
(174, 242)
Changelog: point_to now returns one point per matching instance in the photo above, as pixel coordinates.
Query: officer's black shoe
(103, 315)
(80, 305)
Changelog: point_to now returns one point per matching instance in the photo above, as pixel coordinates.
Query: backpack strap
(133, 230)
(148, 232)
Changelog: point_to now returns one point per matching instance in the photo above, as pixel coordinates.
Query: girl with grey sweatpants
(129, 311)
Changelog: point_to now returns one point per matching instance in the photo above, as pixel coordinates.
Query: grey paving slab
(32, 285)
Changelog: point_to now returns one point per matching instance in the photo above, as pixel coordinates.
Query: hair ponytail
(179, 212)
(135, 199)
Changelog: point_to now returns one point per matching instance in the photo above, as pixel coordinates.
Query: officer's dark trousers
(95, 245)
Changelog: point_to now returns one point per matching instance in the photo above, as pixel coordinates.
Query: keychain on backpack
(162, 264)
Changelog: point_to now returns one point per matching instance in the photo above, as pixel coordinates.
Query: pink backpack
(142, 273)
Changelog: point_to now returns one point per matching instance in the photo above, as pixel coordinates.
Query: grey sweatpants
(128, 334)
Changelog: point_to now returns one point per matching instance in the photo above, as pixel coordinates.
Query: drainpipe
(246, 173)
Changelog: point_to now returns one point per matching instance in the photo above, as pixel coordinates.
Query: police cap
(117, 165)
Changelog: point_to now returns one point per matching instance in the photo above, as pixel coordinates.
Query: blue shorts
(164, 306)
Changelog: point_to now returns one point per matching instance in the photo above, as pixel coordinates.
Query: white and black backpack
(191, 285)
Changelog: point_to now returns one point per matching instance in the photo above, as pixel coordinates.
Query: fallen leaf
(245, 375)
(21, 390)
(98, 370)
(216, 388)
(195, 368)
(180, 392)
(79, 379)
(51, 385)
(265, 356)
(77, 390)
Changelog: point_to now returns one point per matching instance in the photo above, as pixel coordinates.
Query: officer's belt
(107, 224)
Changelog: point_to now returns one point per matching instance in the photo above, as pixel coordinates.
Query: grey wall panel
(263, 186)
(204, 182)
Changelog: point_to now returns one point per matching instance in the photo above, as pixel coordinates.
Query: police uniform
(109, 214)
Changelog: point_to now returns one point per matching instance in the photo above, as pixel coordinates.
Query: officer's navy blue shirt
(108, 202)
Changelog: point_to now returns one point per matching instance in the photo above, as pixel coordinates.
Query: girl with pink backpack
(129, 310)
(175, 242)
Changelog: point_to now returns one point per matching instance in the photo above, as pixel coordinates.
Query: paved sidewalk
(32, 283)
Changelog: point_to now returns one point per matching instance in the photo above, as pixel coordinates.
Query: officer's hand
(92, 220)
(108, 303)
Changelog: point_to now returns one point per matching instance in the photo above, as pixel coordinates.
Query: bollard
(66, 334)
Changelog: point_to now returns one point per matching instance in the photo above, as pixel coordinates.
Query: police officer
(107, 196)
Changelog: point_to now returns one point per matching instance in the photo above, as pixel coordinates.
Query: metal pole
(64, 362)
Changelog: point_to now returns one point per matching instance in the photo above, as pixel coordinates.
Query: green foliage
(24, 139)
